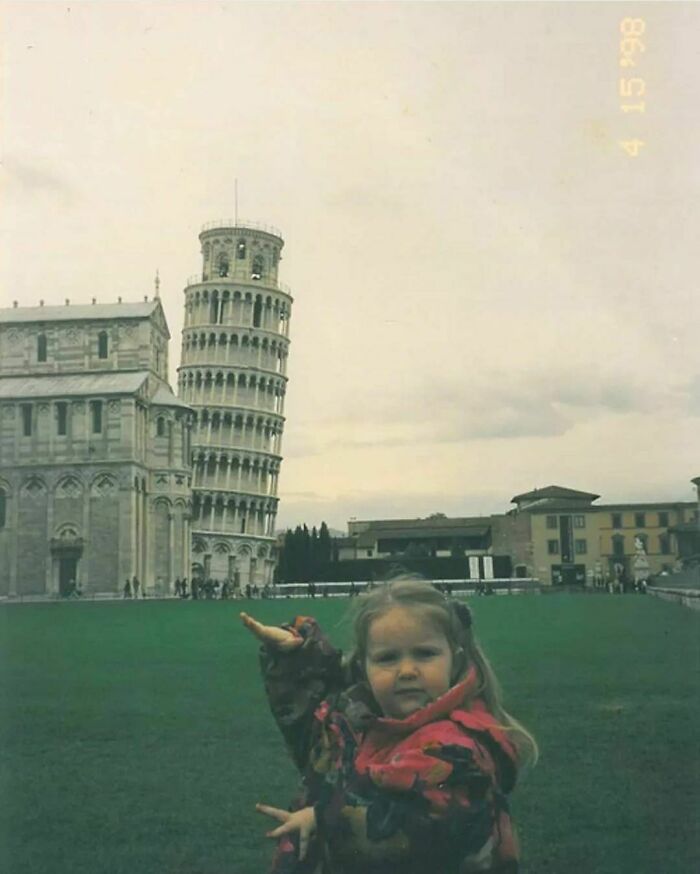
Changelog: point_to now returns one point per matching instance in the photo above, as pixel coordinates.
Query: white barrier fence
(345, 589)
(686, 597)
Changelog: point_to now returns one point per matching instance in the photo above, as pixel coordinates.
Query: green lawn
(135, 737)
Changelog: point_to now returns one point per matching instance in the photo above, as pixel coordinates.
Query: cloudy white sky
(490, 295)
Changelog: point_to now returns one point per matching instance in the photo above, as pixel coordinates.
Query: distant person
(353, 590)
(248, 591)
(178, 587)
(412, 774)
(184, 589)
(135, 585)
(127, 588)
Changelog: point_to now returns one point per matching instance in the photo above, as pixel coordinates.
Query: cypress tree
(324, 544)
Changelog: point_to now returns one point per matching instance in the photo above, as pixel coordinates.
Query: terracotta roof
(554, 492)
(435, 522)
(553, 505)
(78, 384)
(442, 531)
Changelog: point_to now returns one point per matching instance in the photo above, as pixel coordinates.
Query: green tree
(324, 544)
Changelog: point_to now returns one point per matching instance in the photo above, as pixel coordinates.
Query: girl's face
(409, 661)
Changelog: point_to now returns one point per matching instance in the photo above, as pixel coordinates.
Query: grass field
(135, 736)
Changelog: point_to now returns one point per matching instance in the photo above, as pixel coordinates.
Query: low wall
(686, 597)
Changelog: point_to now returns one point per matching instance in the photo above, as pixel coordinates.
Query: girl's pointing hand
(271, 635)
(302, 821)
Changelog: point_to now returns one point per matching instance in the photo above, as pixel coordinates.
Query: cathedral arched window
(61, 418)
(96, 416)
(27, 416)
(257, 311)
(102, 344)
(160, 426)
(258, 266)
(41, 347)
(240, 250)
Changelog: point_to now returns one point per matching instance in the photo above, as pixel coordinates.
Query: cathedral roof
(72, 312)
(165, 398)
(50, 385)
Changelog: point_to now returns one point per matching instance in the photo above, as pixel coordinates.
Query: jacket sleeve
(440, 801)
(297, 681)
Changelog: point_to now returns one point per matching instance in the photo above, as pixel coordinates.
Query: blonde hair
(453, 618)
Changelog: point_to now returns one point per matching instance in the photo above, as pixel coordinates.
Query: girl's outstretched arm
(273, 636)
(300, 669)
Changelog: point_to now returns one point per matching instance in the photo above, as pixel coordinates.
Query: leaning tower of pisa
(233, 367)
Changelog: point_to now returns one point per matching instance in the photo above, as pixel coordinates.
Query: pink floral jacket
(391, 796)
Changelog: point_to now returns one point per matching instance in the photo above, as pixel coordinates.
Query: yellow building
(575, 541)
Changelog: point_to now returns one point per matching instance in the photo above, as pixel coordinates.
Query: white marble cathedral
(94, 451)
(233, 375)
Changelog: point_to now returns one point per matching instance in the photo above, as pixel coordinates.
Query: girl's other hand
(302, 821)
(271, 635)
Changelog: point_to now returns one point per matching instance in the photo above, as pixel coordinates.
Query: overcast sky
(490, 294)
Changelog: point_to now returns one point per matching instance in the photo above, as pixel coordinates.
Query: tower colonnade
(235, 344)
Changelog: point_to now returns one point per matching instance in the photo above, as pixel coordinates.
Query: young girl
(406, 752)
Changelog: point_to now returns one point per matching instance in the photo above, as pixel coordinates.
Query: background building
(437, 547)
(233, 367)
(575, 540)
(555, 534)
(94, 450)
